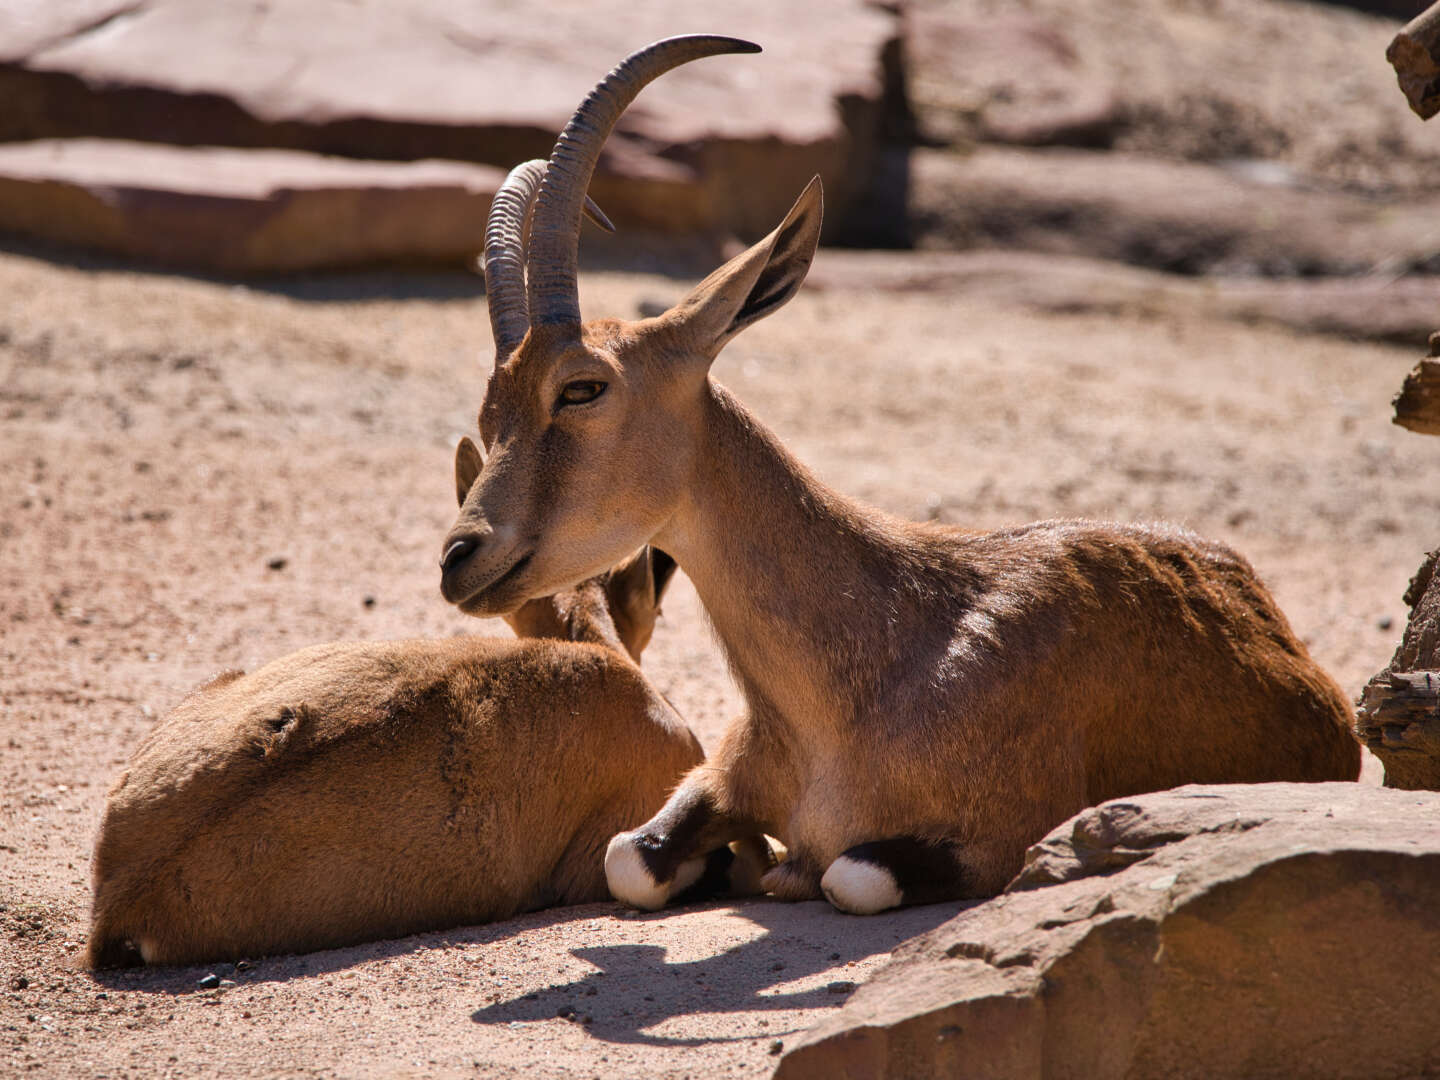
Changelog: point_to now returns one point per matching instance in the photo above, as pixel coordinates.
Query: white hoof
(630, 880)
(686, 875)
(860, 888)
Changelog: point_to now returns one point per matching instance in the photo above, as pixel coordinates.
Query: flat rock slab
(1244, 218)
(1377, 306)
(1269, 930)
(731, 140)
(1014, 79)
(242, 211)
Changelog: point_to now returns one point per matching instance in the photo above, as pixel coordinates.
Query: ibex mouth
(492, 597)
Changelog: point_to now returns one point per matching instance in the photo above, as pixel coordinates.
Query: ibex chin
(357, 791)
(922, 702)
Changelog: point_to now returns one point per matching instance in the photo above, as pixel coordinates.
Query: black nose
(458, 552)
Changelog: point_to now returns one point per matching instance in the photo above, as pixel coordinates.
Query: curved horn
(504, 258)
(555, 234)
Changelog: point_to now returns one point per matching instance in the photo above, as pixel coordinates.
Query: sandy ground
(196, 476)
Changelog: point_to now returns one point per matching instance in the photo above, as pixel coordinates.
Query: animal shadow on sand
(634, 986)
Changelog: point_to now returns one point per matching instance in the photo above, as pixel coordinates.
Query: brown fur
(902, 680)
(373, 789)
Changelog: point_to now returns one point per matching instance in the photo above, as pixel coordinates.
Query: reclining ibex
(363, 790)
(923, 702)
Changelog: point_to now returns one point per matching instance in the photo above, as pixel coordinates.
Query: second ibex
(923, 702)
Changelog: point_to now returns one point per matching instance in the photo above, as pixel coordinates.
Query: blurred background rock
(1261, 142)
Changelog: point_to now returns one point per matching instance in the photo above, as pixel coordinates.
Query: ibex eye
(578, 393)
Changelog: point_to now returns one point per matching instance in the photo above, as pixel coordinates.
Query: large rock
(1009, 79)
(725, 144)
(232, 211)
(1399, 714)
(242, 211)
(1271, 930)
(1242, 219)
(1212, 81)
(1370, 306)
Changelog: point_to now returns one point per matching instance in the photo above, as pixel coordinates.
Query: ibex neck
(805, 589)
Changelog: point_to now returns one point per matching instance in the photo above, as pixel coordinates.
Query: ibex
(356, 791)
(922, 702)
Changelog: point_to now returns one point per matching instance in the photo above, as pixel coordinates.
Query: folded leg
(882, 874)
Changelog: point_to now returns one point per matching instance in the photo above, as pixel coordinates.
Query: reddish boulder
(1269, 930)
(723, 145)
(242, 211)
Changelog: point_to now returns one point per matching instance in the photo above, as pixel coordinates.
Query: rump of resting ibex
(923, 702)
(365, 790)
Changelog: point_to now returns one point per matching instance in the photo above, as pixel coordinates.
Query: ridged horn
(555, 233)
(504, 258)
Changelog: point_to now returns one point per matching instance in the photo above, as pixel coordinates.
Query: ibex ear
(754, 283)
(662, 569)
(638, 583)
(468, 463)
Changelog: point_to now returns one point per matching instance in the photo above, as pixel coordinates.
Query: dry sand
(166, 443)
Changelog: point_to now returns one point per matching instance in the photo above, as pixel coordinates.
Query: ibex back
(365, 790)
(922, 702)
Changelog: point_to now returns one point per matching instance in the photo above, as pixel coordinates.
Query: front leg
(685, 844)
(881, 874)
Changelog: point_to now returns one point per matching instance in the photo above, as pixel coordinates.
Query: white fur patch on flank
(860, 888)
(147, 949)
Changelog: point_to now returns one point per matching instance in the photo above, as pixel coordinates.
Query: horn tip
(740, 45)
(719, 42)
(595, 214)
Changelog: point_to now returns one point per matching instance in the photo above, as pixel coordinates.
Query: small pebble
(210, 982)
(776, 1048)
(20, 982)
(565, 1012)
(841, 986)
(244, 965)
(277, 563)
(834, 956)
(778, 965)
(226, 984)
(1385, 622)
(368, 601)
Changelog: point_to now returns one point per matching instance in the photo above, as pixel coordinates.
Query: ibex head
(588, 425)
(618, 607)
